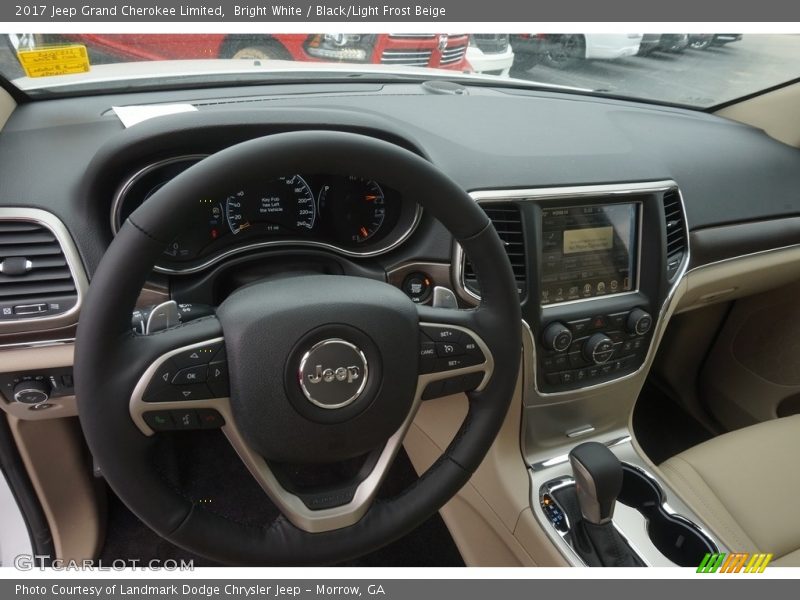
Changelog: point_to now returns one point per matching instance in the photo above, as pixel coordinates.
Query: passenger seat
(745, 486)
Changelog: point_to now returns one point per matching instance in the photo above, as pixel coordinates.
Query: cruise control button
(427, 357)
(442, 334)
(196, 374)
(198, 356)
(445, 349)
(209, 418)
(452, 363)
(185, 419)
(160, 420)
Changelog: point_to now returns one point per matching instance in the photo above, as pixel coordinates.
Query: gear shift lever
(598, 481)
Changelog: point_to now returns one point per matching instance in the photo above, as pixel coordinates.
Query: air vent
(675, 225)
(35, 279)
(507, 221)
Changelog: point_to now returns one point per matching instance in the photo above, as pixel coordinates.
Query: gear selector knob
(598, 481)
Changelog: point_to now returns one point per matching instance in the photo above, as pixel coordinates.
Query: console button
(198, 356)
(576, 360)
(580, 375)
(159, 420)
(557, 337)
(598, 348)
(639, 322)
(567, 377)
(593, 372)
(196, 374)
(579, 326)
(618, 320)
(598, 322)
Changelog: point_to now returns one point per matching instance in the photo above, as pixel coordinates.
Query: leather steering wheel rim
(110, 357)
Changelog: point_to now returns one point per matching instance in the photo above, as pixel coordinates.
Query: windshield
(696, 70)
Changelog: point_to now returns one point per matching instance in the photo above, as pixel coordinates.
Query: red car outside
(418, 50)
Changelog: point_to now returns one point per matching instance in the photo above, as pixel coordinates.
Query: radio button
(557, 337)
(639, 322)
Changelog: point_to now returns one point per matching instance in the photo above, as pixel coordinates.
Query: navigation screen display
(588, 251)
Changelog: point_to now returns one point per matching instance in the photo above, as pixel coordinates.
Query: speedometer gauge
(355, 208)
(283, 205)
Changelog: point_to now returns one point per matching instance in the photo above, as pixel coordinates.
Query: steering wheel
(305, 370)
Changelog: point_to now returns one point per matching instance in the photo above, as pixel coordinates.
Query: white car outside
(609, 46)
(490, 54)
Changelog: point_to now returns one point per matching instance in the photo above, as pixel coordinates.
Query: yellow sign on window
(54, 60)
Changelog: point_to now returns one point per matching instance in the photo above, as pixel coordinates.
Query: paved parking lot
(694, 77)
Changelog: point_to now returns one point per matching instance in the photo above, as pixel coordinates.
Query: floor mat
(129, 539)
(663, 428)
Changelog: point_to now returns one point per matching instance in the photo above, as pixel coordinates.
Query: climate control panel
(579, 352)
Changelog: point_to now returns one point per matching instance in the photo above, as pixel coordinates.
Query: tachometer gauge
(354, 207)
(283, 205)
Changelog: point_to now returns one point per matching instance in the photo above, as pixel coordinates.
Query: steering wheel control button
(209, 418)
(196, 391)
(201, 355)
(333, 373)
(159, 420)
(557, 337)
(190, 375)
(185, 419)
(639, 322)
(418, 286)
(442, 334)
(217, 380)
(427, 357)
(445, 349)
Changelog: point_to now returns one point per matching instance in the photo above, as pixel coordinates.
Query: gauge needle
(370, 198)
(364, 232)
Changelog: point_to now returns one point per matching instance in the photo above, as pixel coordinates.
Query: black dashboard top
(69, 155)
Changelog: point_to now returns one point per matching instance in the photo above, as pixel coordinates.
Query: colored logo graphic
(737, 562)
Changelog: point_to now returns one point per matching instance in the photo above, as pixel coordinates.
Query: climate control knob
(598, 348)
(639, 321)
(557, 336)
(32, 392)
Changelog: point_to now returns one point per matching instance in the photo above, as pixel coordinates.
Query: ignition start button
(418, 286)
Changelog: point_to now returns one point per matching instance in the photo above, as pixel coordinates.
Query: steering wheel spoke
(184, 388)
(453, 357)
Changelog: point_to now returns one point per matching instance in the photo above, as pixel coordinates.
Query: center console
(598, 269)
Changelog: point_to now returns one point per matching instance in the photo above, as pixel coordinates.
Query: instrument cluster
(346, 214)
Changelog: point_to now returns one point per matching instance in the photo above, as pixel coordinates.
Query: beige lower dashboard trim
(7, 106)
(56, 461)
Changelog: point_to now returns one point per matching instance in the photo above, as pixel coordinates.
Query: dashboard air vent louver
(675, 225)
(35, 279)
(507, 221)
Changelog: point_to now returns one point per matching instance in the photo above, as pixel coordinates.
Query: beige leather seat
(745, 486)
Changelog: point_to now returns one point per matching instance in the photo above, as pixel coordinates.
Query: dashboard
(584, 201)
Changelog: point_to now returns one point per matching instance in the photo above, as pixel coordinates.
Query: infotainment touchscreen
(588, 251)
